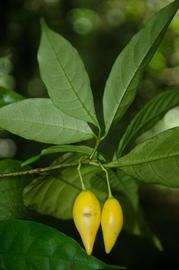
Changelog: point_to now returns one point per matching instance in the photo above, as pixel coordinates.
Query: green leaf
(154, 161)
(126, 185)
(126, 72)
(39, 120)
(149, 115)
(8, 96)
(58, 149)
(65, 76)
(11, 202)
(28, 245)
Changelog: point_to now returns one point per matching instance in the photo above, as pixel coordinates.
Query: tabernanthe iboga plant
(68, 117)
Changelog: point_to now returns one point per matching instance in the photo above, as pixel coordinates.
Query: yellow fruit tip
(88, 249)
(89, 252)
(107, 250)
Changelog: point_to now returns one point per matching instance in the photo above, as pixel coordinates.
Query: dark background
(99, 30)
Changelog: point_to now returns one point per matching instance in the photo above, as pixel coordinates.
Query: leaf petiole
(80, 175)
(107, 179)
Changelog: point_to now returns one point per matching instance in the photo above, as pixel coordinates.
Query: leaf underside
(39, 120)
(154, 161)
(65, 76)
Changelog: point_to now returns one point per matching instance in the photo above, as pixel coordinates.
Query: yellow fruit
(111, 222)
(87, 216)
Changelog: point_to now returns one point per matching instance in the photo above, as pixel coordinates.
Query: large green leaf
(11, 188)
(28, 245)
(150, 114)
(65, 76)
(154, 161)
(38, 119)
(126, 72)
(126, 186)
(8, 96)
(59, 149)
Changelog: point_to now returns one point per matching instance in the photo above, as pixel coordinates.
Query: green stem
(38, 170)
(107, 180)
(98, 140)
(95, 148)
(81, 178)
(56, 167)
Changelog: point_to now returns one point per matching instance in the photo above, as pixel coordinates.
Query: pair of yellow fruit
(87, 217)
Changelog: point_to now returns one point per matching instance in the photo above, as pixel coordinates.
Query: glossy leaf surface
(28, 245)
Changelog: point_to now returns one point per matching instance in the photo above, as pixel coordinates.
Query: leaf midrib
(49, 124)
(129, 163)
(137, 70)
(69, 81)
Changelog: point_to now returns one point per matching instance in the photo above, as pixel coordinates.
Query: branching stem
(63, 165)
(99, 139)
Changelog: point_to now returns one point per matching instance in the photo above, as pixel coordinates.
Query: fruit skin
(87, 217)
(111, 222)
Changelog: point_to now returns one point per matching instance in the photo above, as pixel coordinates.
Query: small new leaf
(59, 149)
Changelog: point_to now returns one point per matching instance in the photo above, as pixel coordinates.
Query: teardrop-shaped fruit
(111, 222)
(87, 216)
